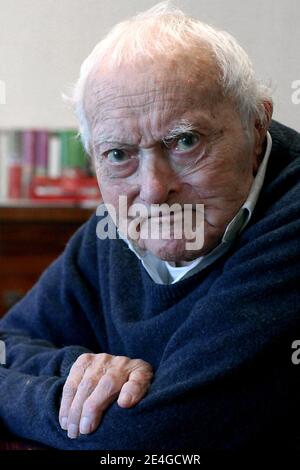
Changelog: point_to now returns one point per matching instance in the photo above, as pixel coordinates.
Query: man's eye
(186, 142)
(117, 156)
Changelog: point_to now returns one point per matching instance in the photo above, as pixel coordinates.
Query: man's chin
(169, 250)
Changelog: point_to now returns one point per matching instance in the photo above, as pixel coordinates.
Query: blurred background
(47, 185)
(43, 42)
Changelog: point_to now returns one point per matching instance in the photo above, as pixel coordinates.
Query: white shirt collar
(163, 272)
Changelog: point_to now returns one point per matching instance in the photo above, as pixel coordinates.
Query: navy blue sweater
(219, 342)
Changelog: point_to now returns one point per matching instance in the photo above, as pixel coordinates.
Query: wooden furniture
(31, 237)
(10, 442)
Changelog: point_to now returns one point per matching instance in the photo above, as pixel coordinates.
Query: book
(38, 164)
(73, 157)
(41, 153)
(28, 144)
(3, 166)
(54, 157)
(14, 157)
(76, 189)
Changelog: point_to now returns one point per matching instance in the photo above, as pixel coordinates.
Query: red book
(73, 189)
(14, 165)
(14, 181)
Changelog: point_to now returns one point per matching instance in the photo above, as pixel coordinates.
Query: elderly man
(146, 342)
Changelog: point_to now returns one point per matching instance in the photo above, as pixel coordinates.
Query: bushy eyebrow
(182, 127)
(100, 141)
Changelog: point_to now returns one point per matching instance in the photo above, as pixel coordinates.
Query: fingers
(85, 389)
(94, 371)
(102, 397)
(136, 387)
(95, 381)
(71, 386)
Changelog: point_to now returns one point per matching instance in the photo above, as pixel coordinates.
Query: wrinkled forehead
(161, 84)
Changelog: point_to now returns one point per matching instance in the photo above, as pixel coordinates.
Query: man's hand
(94, 382)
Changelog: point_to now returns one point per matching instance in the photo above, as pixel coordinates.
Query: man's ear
(260, 131)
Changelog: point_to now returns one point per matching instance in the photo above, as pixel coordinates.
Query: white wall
(43, 42)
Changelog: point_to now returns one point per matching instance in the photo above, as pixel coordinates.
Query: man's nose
(157, 179)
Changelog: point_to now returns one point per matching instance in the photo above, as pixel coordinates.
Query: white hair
(166, 30)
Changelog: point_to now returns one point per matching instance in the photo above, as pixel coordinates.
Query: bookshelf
(47, 190)
(36, 204)
(45, 165)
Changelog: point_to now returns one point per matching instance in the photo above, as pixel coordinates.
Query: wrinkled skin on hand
(95, 381)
